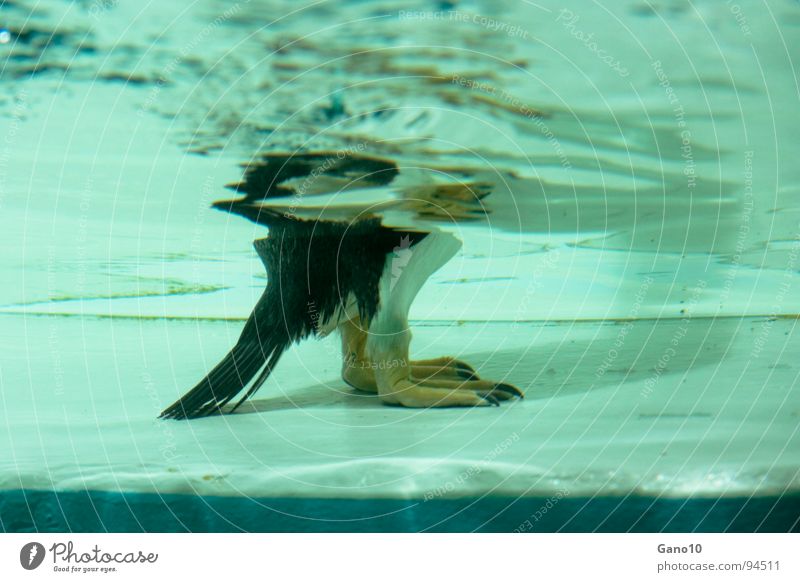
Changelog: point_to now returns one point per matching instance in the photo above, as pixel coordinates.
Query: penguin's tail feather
(258, 350)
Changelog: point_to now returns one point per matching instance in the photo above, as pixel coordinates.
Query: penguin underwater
(346, 268)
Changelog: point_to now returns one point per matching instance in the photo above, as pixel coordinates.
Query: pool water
(633, 267)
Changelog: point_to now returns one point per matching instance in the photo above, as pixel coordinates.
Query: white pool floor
(714, 422)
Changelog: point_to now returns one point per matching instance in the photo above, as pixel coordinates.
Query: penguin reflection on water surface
(346, 271)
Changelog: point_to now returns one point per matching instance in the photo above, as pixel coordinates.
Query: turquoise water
(632, 264)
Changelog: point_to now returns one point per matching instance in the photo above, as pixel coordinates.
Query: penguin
(344, 271)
